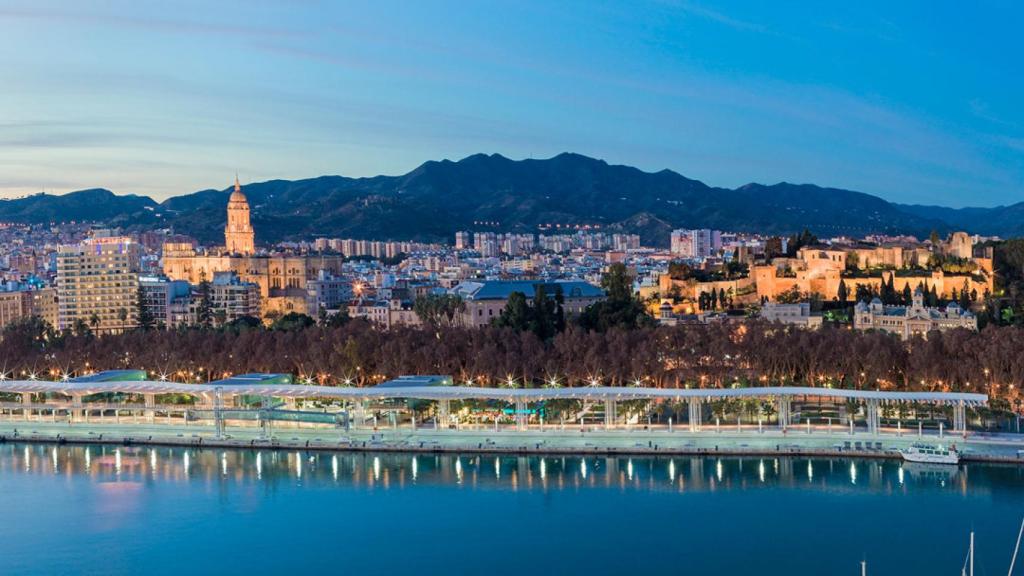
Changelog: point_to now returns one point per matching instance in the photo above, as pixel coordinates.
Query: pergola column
(360, 413)
(149, 400)
(218, 414)
(873, 411)
(76, 405)
(695, 413)
(609, 413)
(521, 414)
(783, 407)
(960, 417)
(443, 409)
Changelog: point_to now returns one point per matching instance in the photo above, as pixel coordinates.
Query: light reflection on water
(411, 512)
(131, 464)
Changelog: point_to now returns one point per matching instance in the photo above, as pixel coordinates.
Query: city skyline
(881, 101)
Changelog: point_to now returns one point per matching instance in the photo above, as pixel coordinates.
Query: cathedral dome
(237, 195)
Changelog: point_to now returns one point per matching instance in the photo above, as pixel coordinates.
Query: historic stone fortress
(281, 278)
(950, 265)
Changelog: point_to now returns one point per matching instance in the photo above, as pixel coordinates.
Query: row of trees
(714, 355)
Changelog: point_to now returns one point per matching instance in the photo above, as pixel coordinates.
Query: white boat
(927, 454)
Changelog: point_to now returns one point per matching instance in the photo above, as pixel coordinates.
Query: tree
(204, 312)
(145, 316)
(798, 241)
(439, 310)
(293, 321)
(908, 296)
(338, 319)
(842, 293)
(516, 314)
(243, 323)
(852, 261)
(619, 309)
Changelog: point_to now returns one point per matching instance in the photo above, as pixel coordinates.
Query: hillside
(440, 197)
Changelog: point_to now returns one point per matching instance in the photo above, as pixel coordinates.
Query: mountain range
(491, 192)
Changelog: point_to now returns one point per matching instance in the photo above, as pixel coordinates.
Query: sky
(914, 101)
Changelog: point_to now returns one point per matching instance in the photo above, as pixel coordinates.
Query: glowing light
(458, 469)
(810, 470)
(376, 468)
(583, 468)
(152, 460)
(117, 461)
(672, 470)
(853, 473)
(899, 475)
(718, 470)
(259, 465)
(224, 464)
(298, 465)
(543, 469)
(760, 470)
(629, 469)
(497, 468)
(54, 453)
(416, 468)
(186, 462)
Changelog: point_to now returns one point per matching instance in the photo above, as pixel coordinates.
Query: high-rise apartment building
(696, 244)
(98, 283)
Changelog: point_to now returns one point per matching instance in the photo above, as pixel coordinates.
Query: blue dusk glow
(913, 101)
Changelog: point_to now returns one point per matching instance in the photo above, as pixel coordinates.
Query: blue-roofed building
(486, 299)
(250, 379)
(418, 380)
(112, 376)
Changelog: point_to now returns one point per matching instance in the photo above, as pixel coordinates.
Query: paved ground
(550, 440)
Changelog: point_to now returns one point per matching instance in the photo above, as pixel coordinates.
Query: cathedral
(238, 235)
(281, 277)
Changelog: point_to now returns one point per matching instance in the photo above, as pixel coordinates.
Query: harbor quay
(428, 413)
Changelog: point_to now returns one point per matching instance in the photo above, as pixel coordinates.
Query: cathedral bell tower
(239, 237)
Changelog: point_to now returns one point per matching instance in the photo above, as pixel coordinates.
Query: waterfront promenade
(428, 413)
(552, 440)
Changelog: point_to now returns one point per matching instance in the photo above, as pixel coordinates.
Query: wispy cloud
(156, 24)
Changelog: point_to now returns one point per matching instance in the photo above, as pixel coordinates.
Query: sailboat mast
(972, 553)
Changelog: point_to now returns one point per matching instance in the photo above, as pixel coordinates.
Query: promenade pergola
(216, 394)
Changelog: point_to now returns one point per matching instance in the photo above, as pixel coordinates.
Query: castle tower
(239, 237)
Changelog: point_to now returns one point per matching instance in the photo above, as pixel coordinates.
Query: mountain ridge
(439, 197)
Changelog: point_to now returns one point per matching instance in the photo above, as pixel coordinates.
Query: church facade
(281, 278)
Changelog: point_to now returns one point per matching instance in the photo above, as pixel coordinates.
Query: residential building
(696, 244)
(233, 297)
(18, 302)
(328, 292)
(166, 300)
(97, 283)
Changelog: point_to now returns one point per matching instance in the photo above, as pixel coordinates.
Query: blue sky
(913, 101)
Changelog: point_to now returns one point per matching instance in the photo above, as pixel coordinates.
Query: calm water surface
(108, 510)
